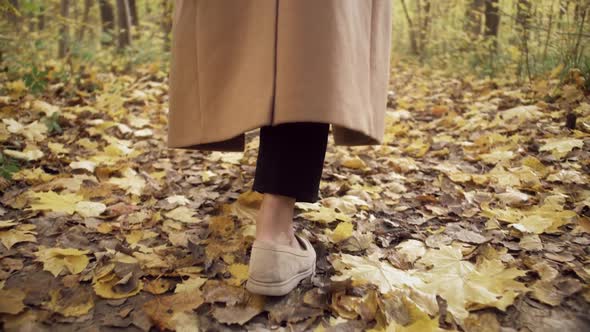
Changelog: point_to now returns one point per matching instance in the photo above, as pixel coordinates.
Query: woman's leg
(289, 168)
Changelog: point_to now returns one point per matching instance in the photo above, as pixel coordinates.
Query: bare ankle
(275, 219)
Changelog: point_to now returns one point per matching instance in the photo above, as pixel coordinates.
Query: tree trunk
(166, 22)
(412, 29)
(546, 46)
(523, 16)
(492, 18)
(563, 6)
(64, 33)
(473, 22)
(425, 26)
(13, 15)
(578, 50)
(41, 18)
(124, 32)
(107, 17)
(133, 12)
(85, 16)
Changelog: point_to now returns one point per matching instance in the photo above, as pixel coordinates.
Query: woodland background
(488, 37)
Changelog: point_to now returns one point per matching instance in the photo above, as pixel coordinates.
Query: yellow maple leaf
(465, 286)
(17, 235)
(35, 131)
(497, 156)
(87, 144)
(492, 275)
(55, 260)
(417, 148)
(447, 259)
(131, 182)
(560, 147)
(103, 287)
(354, 163)
(53, 201)
(342, 232)
(545, 218)
(411, 249)
(90, 209)
(33, 175)
(239, 273)
(57, 148)
(29, 153)
(7, 223)
(17, 86)
(370, 269)
(44, 107)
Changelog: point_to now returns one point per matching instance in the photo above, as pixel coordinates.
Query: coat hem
(343, 136)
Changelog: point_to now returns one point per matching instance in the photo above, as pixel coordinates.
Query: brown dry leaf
(218, 291)
(222, 226)
(420, 321)
(325, 215)
(12, 301)
(345, 306)
(251, 199)
(240, 313)
(183, 214)
(158, 286)
(71, 302)
(164, 310)
(484, 322)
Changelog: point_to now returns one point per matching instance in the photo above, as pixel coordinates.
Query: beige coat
(238, 65)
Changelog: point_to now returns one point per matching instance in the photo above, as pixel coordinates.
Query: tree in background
(166, 23)
(64, 31)
(107, 16)
(492, 19)
(123, 24)
(88, 4)
(474, 18)
(419, 26)
(523, 21)
(522, 37)
(133, 12)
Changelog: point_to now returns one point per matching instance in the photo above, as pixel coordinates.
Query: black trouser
(291, 160)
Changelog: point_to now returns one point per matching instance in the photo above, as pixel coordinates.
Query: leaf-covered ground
(473, 216)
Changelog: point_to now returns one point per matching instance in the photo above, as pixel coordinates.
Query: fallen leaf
(12, 301)
(55, 260)
(163, 310)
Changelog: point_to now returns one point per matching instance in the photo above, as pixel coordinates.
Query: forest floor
(474, 215)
